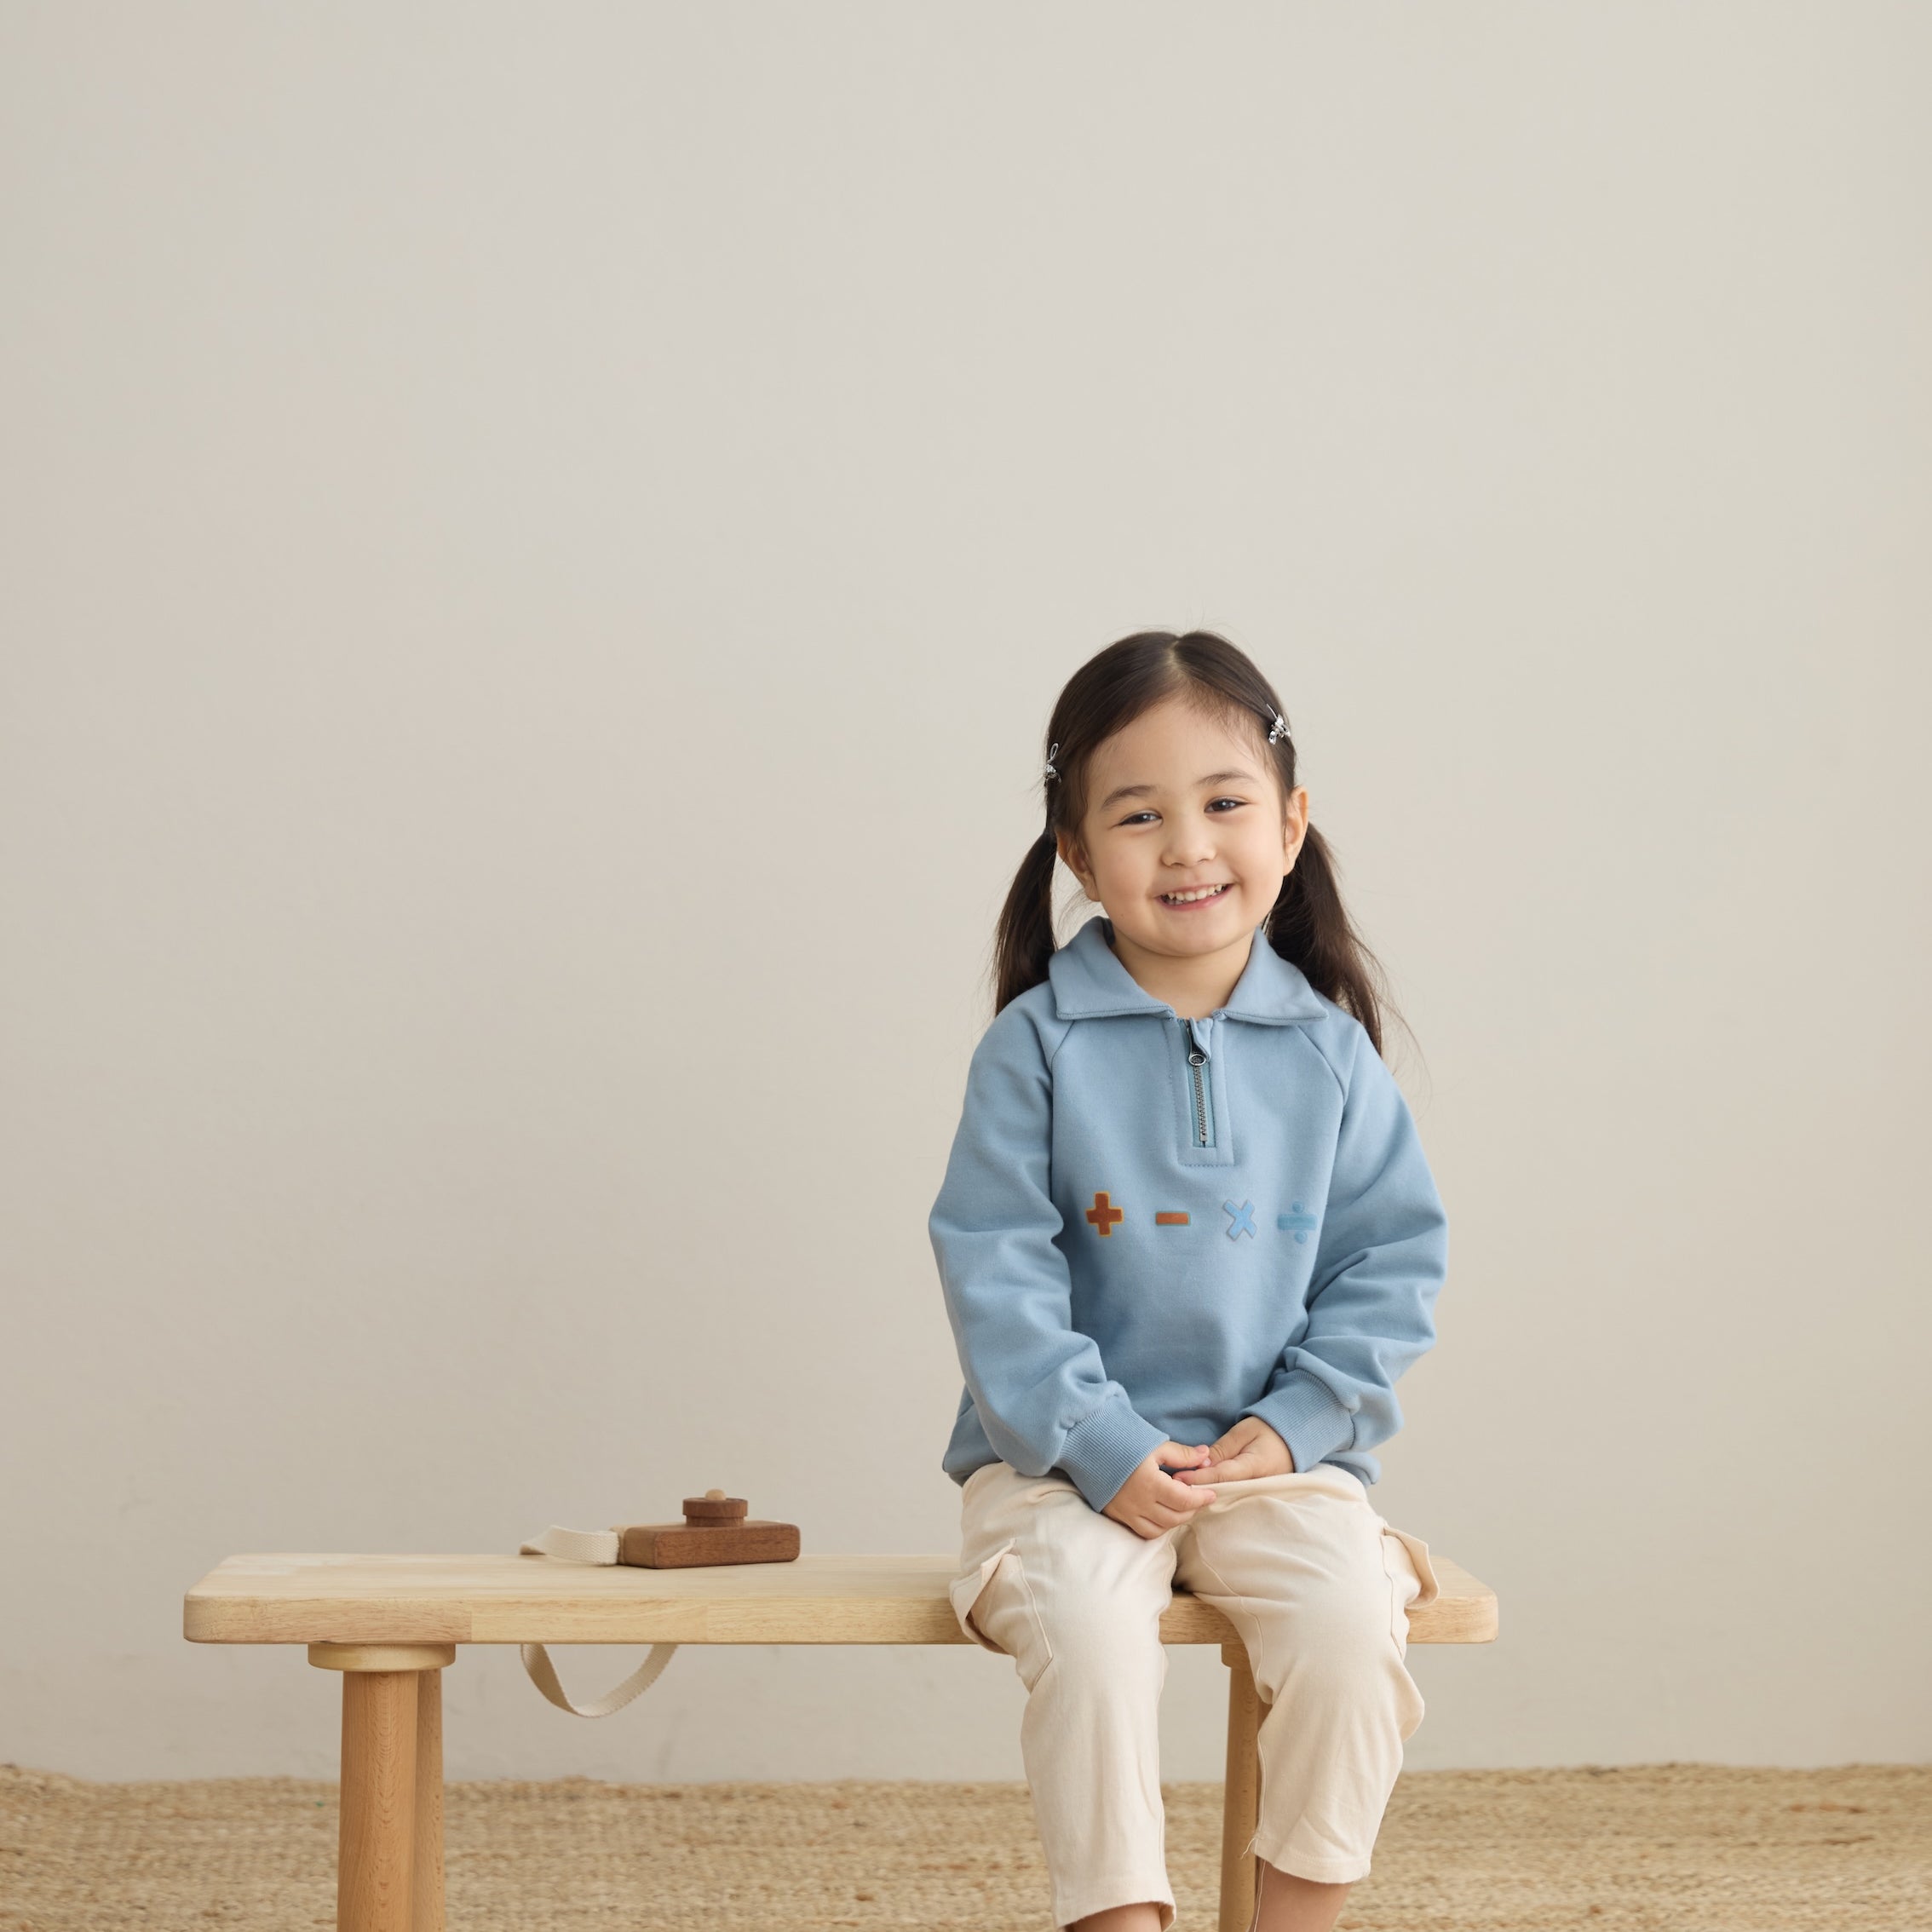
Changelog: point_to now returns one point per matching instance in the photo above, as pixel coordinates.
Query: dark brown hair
(1308, 925)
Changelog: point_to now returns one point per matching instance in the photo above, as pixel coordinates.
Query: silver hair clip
(1280, 728)
(1053, 752)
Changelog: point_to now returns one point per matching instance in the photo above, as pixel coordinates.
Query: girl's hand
(1151, 1502)
(1250, 1448)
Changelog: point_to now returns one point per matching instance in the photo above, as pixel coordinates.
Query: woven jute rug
(1679, 1848)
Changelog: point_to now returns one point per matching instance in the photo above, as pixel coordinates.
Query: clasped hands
(1151, 1501)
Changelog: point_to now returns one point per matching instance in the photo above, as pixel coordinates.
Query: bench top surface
(320, 1597)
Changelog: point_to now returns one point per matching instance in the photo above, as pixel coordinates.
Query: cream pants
(1318, 1585)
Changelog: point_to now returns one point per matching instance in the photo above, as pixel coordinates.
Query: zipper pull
(1196, 1056)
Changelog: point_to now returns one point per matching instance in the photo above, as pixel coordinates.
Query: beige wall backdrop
(538, 545)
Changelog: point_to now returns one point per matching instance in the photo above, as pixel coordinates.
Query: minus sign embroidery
(1169, 1217)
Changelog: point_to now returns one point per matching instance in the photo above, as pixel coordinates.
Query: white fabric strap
(585, 1546)
(574, 1545)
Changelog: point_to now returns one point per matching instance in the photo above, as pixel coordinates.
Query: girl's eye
(1137, 815)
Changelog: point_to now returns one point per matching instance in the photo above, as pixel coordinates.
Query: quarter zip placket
(1203, 1106)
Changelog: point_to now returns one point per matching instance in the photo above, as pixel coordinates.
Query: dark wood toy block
(715, 1530)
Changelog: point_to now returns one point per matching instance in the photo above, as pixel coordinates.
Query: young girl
(1187, 1241)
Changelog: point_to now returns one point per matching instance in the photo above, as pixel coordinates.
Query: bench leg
(426, 1862)
(1241, 1800)
(390, 1869)
(374, 1892)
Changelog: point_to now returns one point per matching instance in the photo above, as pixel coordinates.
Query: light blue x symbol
(1244, 1221)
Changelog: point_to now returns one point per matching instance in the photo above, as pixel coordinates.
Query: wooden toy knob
(714, 1506)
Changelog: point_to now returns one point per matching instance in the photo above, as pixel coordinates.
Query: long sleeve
(1379, 1265)
(1042, 1394)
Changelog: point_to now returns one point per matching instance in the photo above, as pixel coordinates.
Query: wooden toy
(715, 1530)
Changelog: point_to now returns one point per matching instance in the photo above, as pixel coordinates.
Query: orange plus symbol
(1103, 1214)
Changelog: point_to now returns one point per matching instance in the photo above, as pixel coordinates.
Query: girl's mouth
(1199, 895)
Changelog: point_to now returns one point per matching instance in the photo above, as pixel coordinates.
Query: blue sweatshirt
(1152, 1226)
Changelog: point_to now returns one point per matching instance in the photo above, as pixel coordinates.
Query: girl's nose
(1189, 845)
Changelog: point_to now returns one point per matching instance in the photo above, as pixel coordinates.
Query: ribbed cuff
(1101, 1452)
(1303, 1412)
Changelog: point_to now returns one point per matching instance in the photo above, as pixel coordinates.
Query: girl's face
(1183, 803)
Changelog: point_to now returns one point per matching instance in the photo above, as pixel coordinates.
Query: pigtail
(1310, 927)
(1024, 941)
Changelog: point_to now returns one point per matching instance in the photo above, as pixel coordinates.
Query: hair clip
(1280, 728)
(1053, 752)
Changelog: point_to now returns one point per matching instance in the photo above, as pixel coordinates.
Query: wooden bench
(392, 1623)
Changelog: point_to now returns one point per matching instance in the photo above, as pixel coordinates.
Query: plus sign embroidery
(1300, 1223)
(1244, 1221)
(1103, 1214)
